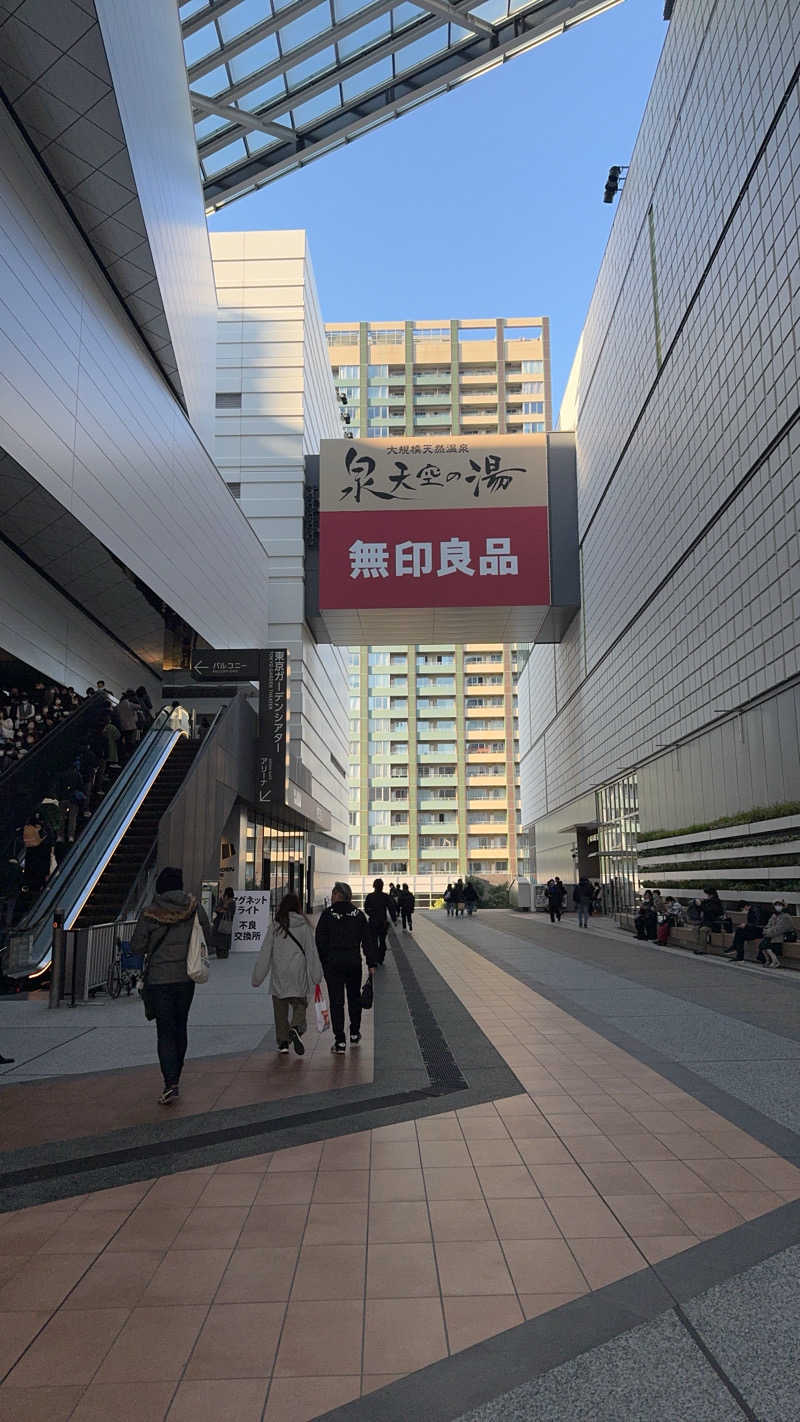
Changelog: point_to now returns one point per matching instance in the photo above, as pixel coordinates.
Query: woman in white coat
(289, 953)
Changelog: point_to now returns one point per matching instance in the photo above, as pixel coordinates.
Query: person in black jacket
(711, 912)
(379, 908)
(407, 902)
(750, 929)
(343, 933)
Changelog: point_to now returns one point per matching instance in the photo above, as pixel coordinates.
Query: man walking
(555, 898)
(379, 908)
(582, 896)
(343, 933)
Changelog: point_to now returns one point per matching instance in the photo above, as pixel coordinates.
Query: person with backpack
(289, 954)
(162, 937)
(407, 902)
(343, 934)
(447, 896)
(379, 908)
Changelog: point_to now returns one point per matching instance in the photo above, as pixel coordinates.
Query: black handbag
(367, 995)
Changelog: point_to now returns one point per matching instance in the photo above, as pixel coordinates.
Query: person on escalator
(162, 937)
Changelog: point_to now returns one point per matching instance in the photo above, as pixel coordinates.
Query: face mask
(778, 908)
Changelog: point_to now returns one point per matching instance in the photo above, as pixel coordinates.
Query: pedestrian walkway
(284, 1284)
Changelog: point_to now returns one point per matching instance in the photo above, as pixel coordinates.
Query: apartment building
(434, 749)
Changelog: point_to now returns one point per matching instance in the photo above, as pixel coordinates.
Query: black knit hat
(169, 880)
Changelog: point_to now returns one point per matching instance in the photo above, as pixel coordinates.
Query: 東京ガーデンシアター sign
(461, 523)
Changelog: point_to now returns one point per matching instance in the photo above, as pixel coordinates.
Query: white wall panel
(87, 412)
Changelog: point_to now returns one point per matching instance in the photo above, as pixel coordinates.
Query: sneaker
(355, 1038)
(297, 1043)
(168, 1095)
(339, 1048)
(283, 1048)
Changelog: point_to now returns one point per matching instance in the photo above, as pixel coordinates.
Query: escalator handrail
(110, 814)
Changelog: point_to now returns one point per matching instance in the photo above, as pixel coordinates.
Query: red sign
(446, 557)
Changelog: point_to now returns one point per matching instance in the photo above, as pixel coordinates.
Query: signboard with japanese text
(448, 523)
(273, 728)
(233, 664)
(250, 920)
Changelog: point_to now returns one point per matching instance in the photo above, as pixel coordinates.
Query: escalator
(95, 880)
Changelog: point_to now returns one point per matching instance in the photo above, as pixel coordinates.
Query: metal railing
(82, 958)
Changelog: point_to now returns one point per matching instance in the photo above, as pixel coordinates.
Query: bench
(687, 936)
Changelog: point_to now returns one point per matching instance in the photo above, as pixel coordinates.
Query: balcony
(434, 397)
(445, 705)
(428, 802)
(451, 855)
(432, 377)
(438, 417)
(433, 781)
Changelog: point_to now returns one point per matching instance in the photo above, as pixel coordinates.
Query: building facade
(673, 704)
(434, 748)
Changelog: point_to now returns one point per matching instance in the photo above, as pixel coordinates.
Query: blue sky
(485, 202)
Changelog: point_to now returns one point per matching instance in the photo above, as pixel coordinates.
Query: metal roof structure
(277, 83)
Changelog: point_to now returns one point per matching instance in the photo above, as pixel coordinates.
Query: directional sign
(232, 664)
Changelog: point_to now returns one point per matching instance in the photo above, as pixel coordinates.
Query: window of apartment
(342, 338)
(349, 372)
(398, 659)
(229, 400)
(378, 372)
(533, 427)
(381, 412)
(431, 333)
(532, 387)
(378, 431)
(378, 659)
(533, 367)
(523, 333)
(441, 659)
(533, 407)
(467, 369)
(399, 748)
(496, 866)
(378, 817)
(378, 703)
(377, 748)
(386, 336)
(486, 747)
(355, 702)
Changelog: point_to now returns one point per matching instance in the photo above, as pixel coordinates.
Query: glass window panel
(215, 162)
(257, 142)
(317, 64)
(367, 35)
(200, 44)
(273, 89)
(344, 8)
(305, 27)
(315, 108)
(192, 7)
(206, 126)
(378, 73)
(212, 84)
(258, 56)
(243, 17)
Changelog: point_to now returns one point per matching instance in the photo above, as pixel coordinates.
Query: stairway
(112, 888)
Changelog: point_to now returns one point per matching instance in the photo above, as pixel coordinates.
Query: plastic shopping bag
(321, 1009)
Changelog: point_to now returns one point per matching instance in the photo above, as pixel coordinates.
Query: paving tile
(68, 1350)
(44, 1282)
(722, 1174)
(237, 1341)
(346, 1152)
(303, 1157)
(547, 1150)
(639, 1145)
(467, 1221)
(444, 1153)
(395, 1155)
(534, 1305)
(230, 1190)
(330, 1224)
(399, 1271)
(21, 1234)
(115, 1280)
(17, 1330)
(662, 1246)
(341, 1186)
(246, 1165)
(286, 1187)
(403, 1335)
(523, 1219)
(38, 1404)
(301, 1399)
(776, 1174)
(580, 1218)
(183, 1190)
(451, 1182)
(371, 1382)
(646, 1215)
(543, 1266)
(481, 1269)
(400, 1221)
(147, 1402)
(604, 1260)
(150, 1227)
(706, 1215)
(186, 1276)
(119, 1197)
(260, 1275)
(672, 1178)
(396, 1185)
(735, 1143)
(85, 1233)
(218, 1226)
(690, 1145)
(586, 1149)
(317, 1339)
(494, 1153)
(209, 1400)
(573, 1123)
(330, 1271)
(402, 1131)
(492, 1128)
(469, 1321)
(154, 1344)
(617, 1178)
(750, 1204)
(507, 1182)
(267, 1225)
(555, 1180)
